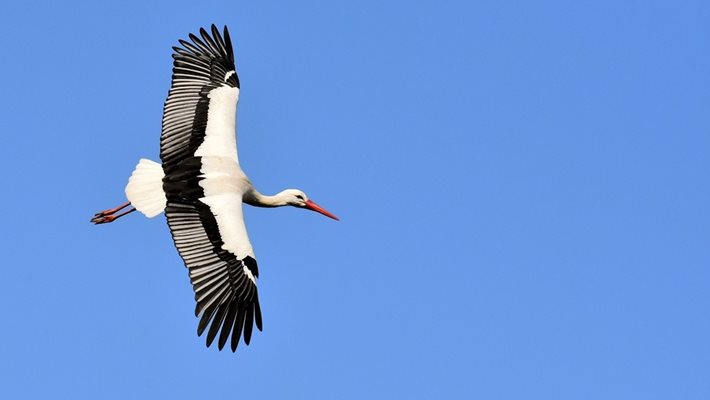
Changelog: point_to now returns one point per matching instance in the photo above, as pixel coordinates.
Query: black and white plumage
(201, 187)
(204, 79)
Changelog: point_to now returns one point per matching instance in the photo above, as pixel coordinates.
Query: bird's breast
(221, 175)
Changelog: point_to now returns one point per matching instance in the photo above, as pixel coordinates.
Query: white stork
(201, 187)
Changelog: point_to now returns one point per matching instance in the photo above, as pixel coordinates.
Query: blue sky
(522, 186)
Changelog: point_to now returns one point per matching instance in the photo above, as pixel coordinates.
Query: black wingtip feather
(215, 33)
(204, 321)
(248, 325)
(216, 323)
(237, 331)
(208, 41)
(227, 325)
(257, 312)
(228, 43)
(220, 42)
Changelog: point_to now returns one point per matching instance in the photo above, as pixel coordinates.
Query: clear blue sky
(523, 188)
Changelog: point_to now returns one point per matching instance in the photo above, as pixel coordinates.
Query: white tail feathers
(145, 188)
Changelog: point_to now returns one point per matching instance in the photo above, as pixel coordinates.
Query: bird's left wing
(209, 233)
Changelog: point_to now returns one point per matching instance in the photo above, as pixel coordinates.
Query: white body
(224, 184)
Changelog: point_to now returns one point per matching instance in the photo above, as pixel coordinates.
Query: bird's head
(296, 198)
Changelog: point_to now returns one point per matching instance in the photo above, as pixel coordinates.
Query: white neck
(254, 198)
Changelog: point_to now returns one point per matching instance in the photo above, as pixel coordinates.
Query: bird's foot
(103, 219)
(112, 210)
(110, 215)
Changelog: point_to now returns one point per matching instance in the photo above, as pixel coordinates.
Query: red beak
(315, 207)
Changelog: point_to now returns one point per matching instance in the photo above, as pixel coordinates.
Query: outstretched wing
(201, 184)
(225, 286)
(205, 87)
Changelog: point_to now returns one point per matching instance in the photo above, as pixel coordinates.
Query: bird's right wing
(199, 116)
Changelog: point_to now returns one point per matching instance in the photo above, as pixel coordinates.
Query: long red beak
(315, 207)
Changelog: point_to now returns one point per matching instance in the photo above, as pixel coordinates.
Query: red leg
(105, 219)
(112, 210)
(110, 215)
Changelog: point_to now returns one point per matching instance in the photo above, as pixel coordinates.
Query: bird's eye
(298, 196)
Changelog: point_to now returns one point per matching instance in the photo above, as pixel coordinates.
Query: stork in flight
(201, 187)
